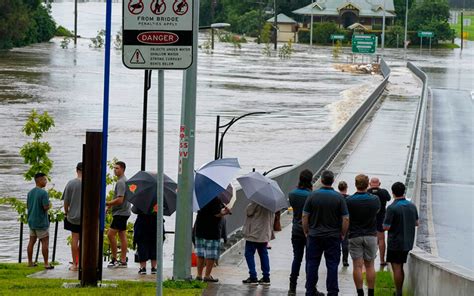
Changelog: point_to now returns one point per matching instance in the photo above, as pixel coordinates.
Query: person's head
(305, 182)
(361, 182)
(374, 182)
(398, 189)
(41, 180)
(342, 186)
(327, 178)
(79, 169)
(119, 168)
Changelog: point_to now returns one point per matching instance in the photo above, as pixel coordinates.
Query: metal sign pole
(160, 178)
(184, 210)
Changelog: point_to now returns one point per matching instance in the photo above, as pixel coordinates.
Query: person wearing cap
(72, 209)
(38, 205)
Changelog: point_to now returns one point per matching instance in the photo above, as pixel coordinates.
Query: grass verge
(14, 281)
(468, 29)
(384, 285)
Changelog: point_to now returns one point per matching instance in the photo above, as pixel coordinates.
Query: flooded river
(68, 83)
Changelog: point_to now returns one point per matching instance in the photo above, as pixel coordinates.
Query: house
(287, 28)
(368, 13)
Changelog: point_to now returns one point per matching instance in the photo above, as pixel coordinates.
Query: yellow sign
(465, 35)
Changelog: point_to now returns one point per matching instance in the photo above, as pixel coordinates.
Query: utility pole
(184, 204)
(383, 29)
(275, 24)
(462, 29)
(311, 28)
(75, 22)
(405, 45)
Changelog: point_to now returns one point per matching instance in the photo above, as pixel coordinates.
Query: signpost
(425, 34)
(364, 43)
(157, 34)
(336, 37)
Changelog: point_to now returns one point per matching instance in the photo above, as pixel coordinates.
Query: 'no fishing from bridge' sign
(157, 34)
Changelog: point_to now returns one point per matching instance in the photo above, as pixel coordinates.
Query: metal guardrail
(319, 161)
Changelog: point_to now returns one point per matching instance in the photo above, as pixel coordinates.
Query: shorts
(380, 223)
(208, 248)
(71, 227)
(363, 247)
(39, 233)
(119, 223)
(394, 256)
(146, 250)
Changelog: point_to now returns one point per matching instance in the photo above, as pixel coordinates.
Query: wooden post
(91, 180)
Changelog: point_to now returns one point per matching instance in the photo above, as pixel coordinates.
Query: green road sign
(364, 43)
(337, 37)
(423, 34)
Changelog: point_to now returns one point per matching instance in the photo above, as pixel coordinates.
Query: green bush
(61, 31)
(322, 33)
(391, 36)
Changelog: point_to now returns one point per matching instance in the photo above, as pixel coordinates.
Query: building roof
(282, 19)
(366, 8)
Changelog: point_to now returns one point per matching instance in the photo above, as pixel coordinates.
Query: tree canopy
(23, 22)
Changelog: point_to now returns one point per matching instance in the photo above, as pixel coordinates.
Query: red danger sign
(157, 37)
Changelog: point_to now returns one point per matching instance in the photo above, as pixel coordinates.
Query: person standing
(384, 197)
(207, 237)
(325, 223)
(258, 231)
(400, 221)
(120, 213)
(72, 209)
(297, 200)
(363, 208)
(38, 221)
(342, 187)
(144, 235)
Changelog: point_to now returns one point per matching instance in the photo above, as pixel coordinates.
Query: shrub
(61, 31)
(321, 33)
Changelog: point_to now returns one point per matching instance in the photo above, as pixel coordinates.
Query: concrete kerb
(428, 274)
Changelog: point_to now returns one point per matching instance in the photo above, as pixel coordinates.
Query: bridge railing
(319, 161)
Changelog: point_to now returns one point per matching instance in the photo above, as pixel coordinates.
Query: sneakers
(112, 263)
(345, 264)
(250, 281)
(210, 279)
(121, 264)
(142, 270)
(153, 270)
(264, 281)
(292, 289)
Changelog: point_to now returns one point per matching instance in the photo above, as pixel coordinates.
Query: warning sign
(157, 34)
(135, 6)
(137, 58)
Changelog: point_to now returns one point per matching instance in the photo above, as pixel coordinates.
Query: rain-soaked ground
(299, 92)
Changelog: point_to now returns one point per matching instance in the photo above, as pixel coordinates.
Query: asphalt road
(452, 174)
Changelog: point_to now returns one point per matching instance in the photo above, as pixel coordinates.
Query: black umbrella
(141, 192)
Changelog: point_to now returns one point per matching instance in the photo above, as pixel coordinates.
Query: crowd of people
(325, 222)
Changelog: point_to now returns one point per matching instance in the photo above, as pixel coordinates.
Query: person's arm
(417, 223)
(46, 204)
(66, 198)
(224, 211)
(388, 219)
(115, 202)
(305, 222)
(121, 187)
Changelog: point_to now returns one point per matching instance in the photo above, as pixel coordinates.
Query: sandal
(210, 279)
(33, 265)
(73, 268)
(49, 267)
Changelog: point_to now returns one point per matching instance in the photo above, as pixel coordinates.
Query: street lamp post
(406, 28)
(383, 29)
(275, 24)
(311, 28)
(219, 144)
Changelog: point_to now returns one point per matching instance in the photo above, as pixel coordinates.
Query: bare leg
(113, 243)
(143, 264)
(357, 272)
(209, 266)
(398, 276)
(370, 273)
(123, 245)
(29, 250)
(381, 243)
(153, 263)
(45, 249)
(75, 248)
(200, 265)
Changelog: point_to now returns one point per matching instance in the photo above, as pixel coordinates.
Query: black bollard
(55, 240)
(21, 242)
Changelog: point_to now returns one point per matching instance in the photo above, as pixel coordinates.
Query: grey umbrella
(263, 191)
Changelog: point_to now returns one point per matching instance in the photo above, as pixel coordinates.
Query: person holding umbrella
(208, 234)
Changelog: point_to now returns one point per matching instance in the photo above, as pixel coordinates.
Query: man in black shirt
(384, 197)
(325, 223)
(363, 208)
(400, 222)
(208, 234)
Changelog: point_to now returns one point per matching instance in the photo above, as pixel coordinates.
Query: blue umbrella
(212, 179)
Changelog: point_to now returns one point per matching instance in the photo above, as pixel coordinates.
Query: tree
(430, 15)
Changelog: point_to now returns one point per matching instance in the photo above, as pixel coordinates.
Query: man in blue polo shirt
(325, 223)
(401, 220)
